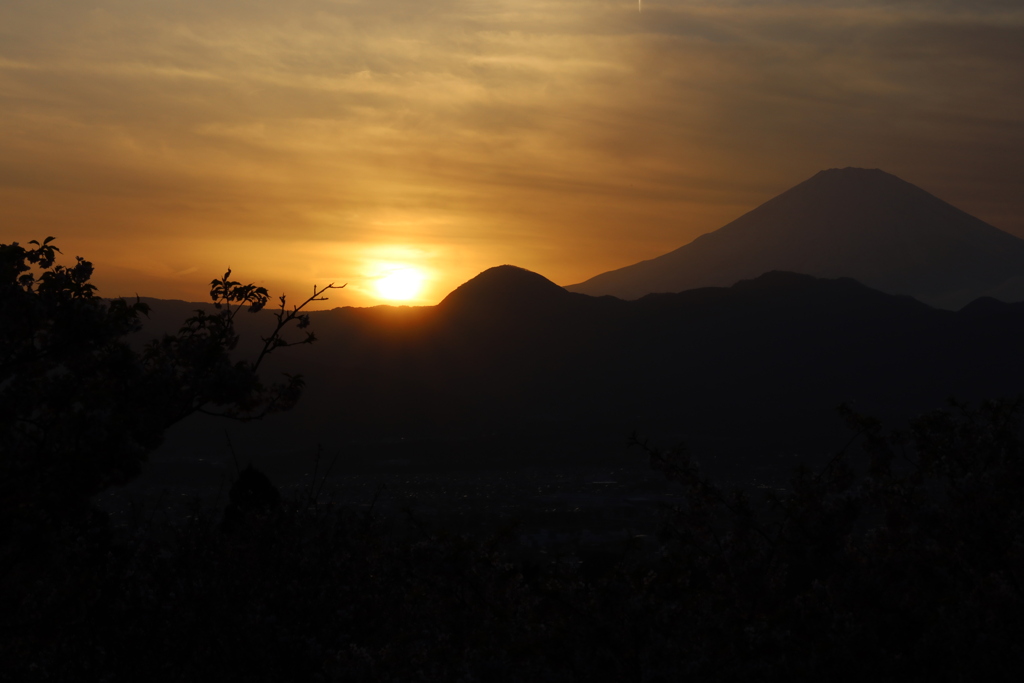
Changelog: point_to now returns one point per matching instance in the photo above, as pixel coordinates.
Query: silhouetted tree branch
(80, 409)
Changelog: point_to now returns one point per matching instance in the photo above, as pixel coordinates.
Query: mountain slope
(851, 222)
(513, 368)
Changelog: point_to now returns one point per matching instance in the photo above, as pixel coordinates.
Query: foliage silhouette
(898, 561)
(252, 499)
(80, 409)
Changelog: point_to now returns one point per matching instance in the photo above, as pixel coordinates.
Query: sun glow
(400, 283)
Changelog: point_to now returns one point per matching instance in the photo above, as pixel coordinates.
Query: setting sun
(400, 284)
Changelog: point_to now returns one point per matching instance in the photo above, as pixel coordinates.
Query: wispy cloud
(568, 136)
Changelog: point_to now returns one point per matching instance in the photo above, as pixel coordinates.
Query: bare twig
(284, 317)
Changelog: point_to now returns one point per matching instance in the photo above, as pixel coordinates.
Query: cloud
(569, 136)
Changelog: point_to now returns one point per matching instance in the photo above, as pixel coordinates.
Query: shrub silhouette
(252, 499)
(80, 409)
(900, 561)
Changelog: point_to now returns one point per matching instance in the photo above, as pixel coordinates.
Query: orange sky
(311, 141)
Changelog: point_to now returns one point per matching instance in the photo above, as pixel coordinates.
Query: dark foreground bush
(900, 561)
(81, 409)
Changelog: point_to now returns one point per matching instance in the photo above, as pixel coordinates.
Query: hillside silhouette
(505, 290)
(511, 367)
(897, 559)
(850, 222)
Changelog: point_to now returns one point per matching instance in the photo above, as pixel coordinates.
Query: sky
(403, 146)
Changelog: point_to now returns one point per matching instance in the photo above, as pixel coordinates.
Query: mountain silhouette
(850, 222)
(505, 290)
(512, 369)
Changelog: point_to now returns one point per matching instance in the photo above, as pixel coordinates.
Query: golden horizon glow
(298, 142)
